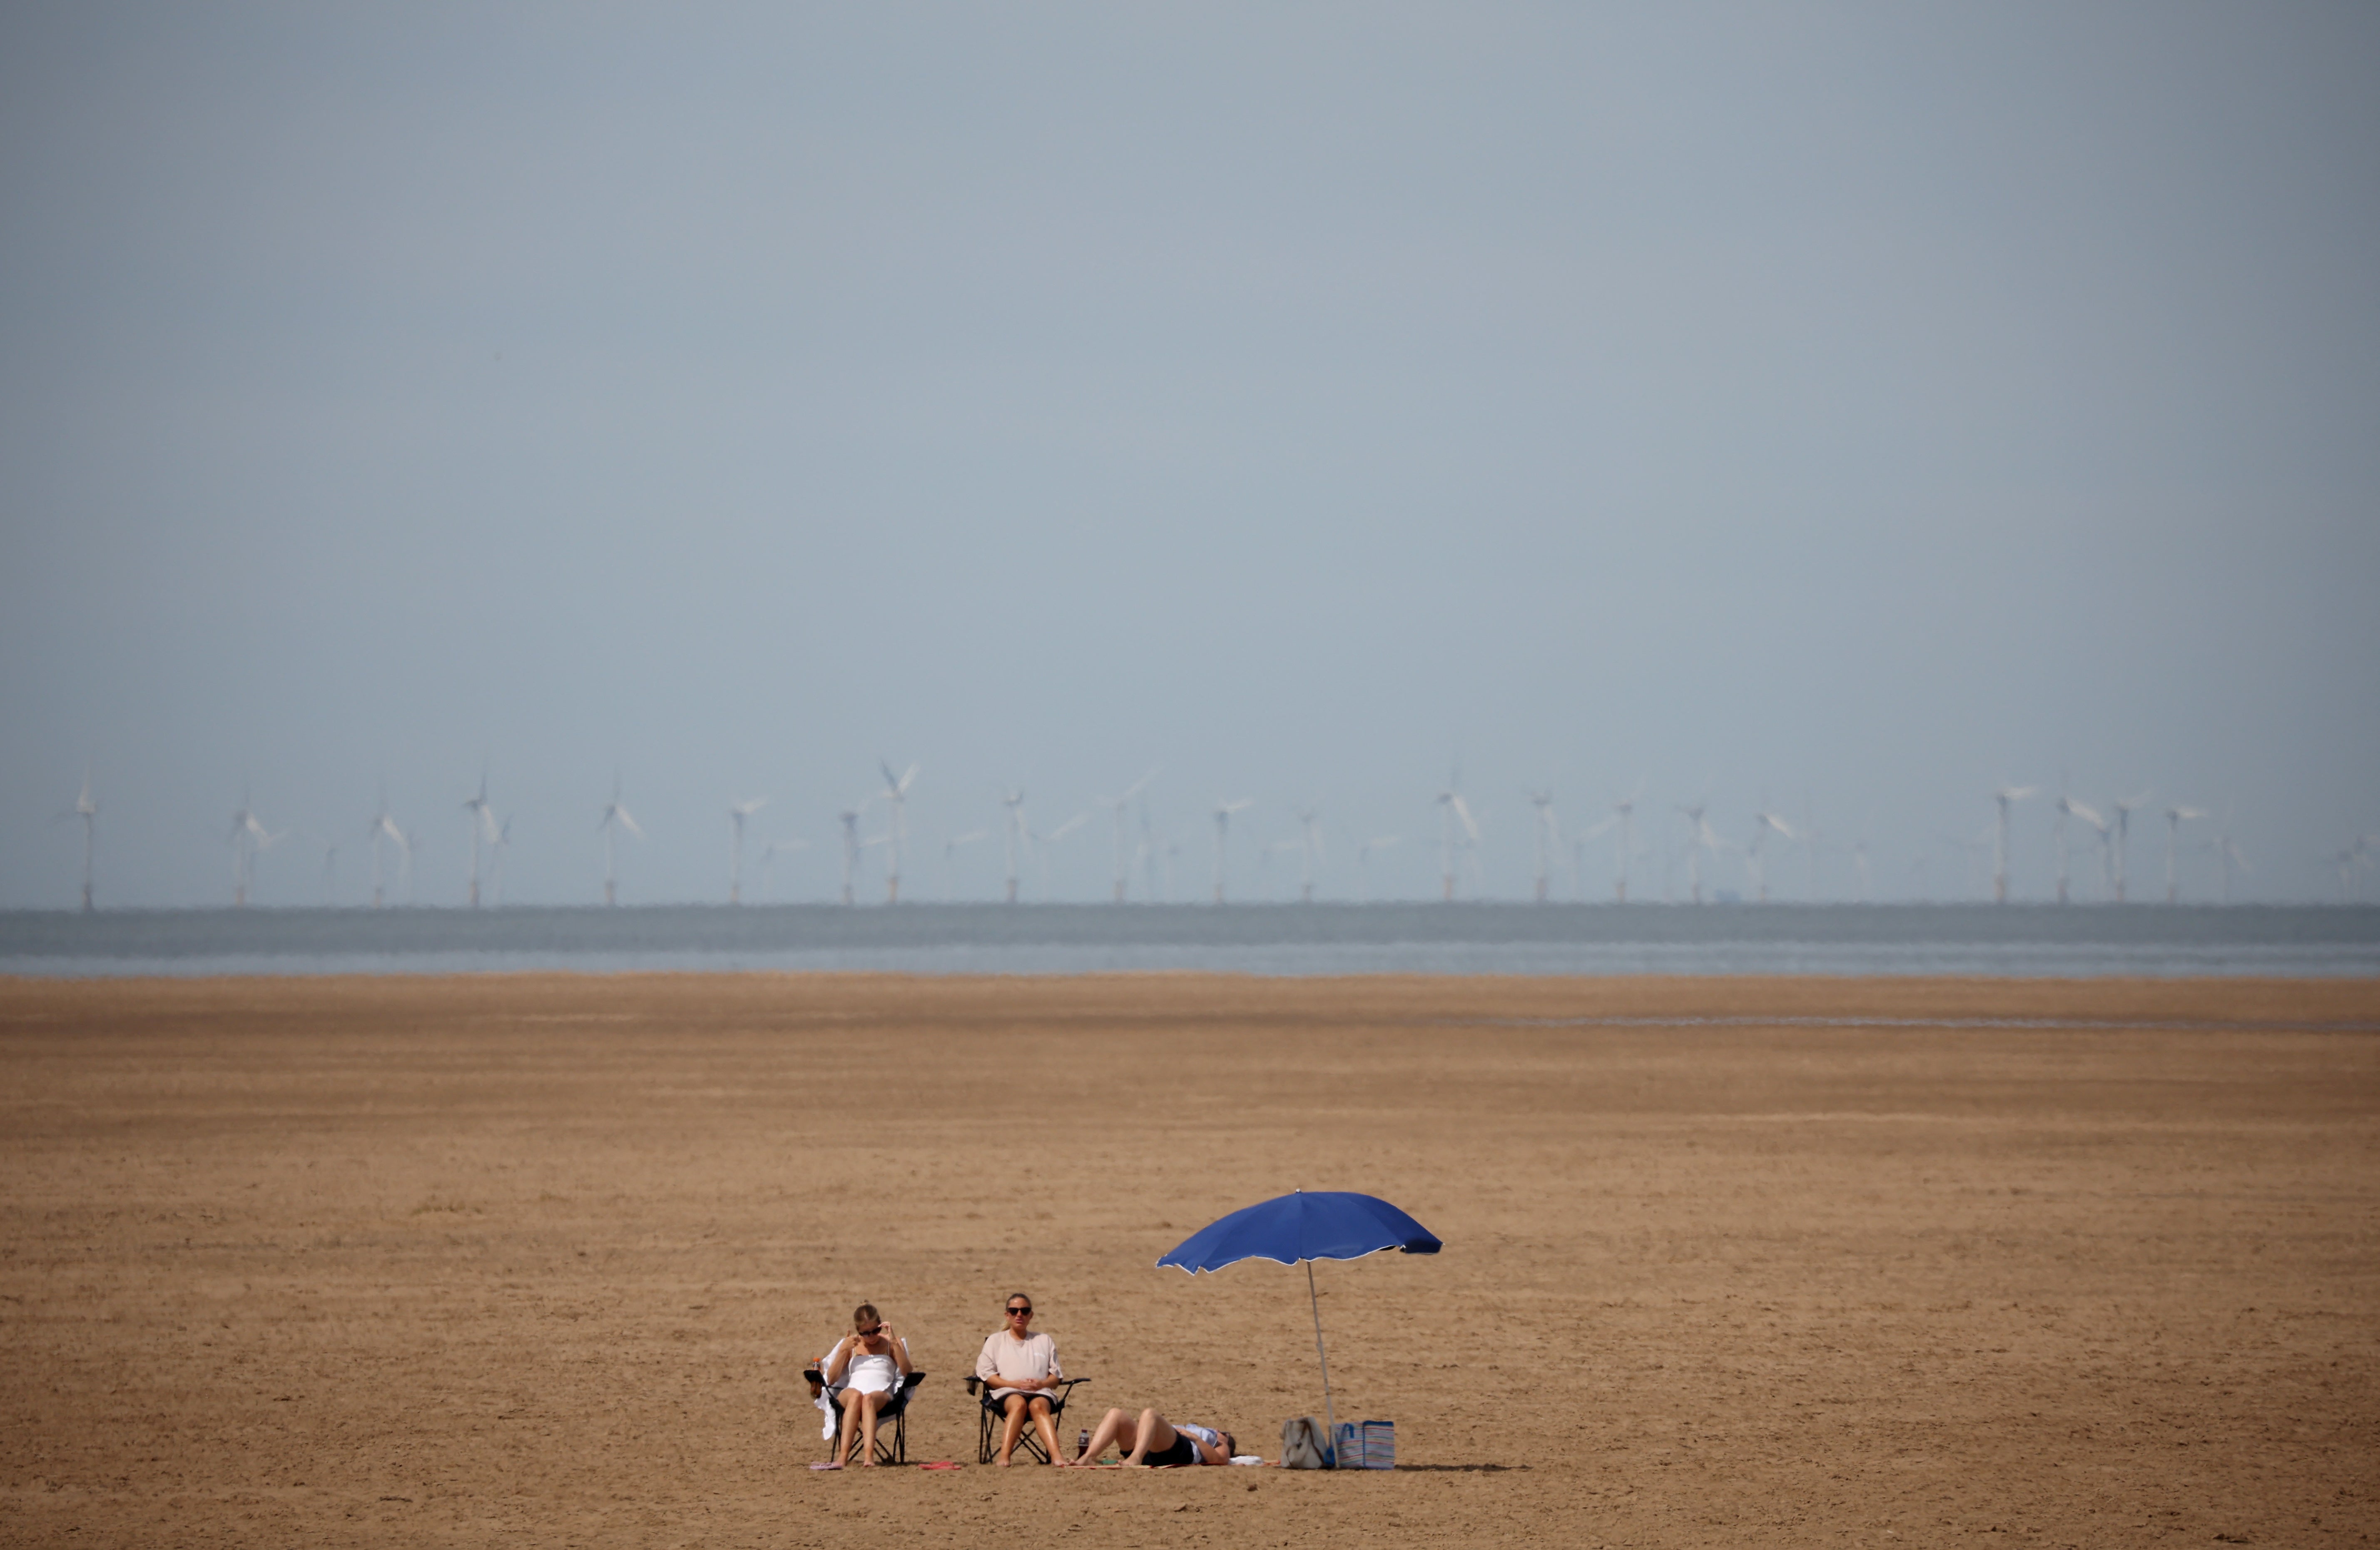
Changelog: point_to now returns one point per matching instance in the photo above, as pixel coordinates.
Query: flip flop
(938, 1464)
(827, 1466)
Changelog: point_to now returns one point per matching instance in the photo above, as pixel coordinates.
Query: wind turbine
(2175, 816)
(1970, 849)
(2004, 796)
(1623, 814)
(483, 819)
(768, 859)
(1765, 824)
(849, 818)
(2106, 831)
(1042, 844)
(249, 836)
(950, 859)
(87, 809)
(2124, 811)
(2069, 808)
(896, 791)
(385, 827)
(2349, 861)
(1544, 840)
(2228, 849)
(1117, 805)
(1223, 811)
(615, 818)
(1456, 827)
(1364, 863)
(1012, 835)
(1310, 852)
(1699, 838)
(737, 813)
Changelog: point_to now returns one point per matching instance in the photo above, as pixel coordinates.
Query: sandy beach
(1728, 1261)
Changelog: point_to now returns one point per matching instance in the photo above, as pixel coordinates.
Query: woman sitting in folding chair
(864, 1373)
(1157, 1442)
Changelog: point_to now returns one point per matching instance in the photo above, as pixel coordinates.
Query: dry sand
(331, 1262)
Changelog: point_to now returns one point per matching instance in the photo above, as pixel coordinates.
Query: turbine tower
(1117, 806)
(385, 827)
(483, 819)
(896, 791)
(1223, 811)
(1364, 863)
(1310, 852)
(2067, 810)
(2175, 816)
(2004, 796)
(1699, 838)
(1012, 835)
(2233, 856)
(87, 809)
(615, 818)
(2124, 811)
(1544, 839)
(737, 813)
(249, 836)
(1624, 810)
(1456, 828)
(1766, 824)
(950, 860)
(849, 818)
(769, 853)
(1043, 844)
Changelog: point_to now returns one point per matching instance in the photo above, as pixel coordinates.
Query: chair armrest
(973, 1384)
(913, 1380)
(813, 1375)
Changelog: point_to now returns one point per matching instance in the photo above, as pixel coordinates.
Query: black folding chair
(893, 1439)
(993, 1416)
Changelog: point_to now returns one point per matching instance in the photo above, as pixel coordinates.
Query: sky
(1837, 411)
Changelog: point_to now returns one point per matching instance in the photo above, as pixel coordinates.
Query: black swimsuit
(1183, 1451)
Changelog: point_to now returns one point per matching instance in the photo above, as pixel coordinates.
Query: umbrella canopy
(1326, 1224)
(1300, 1228)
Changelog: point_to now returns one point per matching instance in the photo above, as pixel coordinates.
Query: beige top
(1006, 1357)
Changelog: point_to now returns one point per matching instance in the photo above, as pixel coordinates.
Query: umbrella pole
(1330, 1416)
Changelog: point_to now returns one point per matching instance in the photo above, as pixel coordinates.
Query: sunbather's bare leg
(868, 1405)
(1011, 1427)
(1115, 1428)
(858, 1415)
(1153, 1434)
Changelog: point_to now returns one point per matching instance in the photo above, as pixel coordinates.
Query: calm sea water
(2017, 940)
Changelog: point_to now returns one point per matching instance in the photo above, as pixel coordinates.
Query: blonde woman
(864, 1374)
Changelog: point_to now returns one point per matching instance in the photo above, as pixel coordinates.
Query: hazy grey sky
(1848, 407)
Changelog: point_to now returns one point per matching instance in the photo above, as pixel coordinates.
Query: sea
(2015, 940)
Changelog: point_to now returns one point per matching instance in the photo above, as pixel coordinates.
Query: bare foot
(1001, 1460)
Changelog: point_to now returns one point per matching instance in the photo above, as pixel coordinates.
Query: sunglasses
(1020, 1313)
(871, 1329)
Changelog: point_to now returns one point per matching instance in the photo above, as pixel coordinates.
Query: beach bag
(1304, 1445)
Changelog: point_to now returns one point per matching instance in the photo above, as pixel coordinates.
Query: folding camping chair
(994, 1416)
(892, 1417)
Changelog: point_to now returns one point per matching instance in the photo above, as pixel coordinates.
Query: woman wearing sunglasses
(867, 1366)
(1021, 1367)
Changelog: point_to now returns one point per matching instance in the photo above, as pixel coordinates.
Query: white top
(1007, 1360)
(1207, 1434)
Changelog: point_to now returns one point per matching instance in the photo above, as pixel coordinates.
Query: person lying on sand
(1155, 1442)
(1021, 1367)
(868, 1363)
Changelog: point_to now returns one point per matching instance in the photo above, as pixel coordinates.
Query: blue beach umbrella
(1299, 1229)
